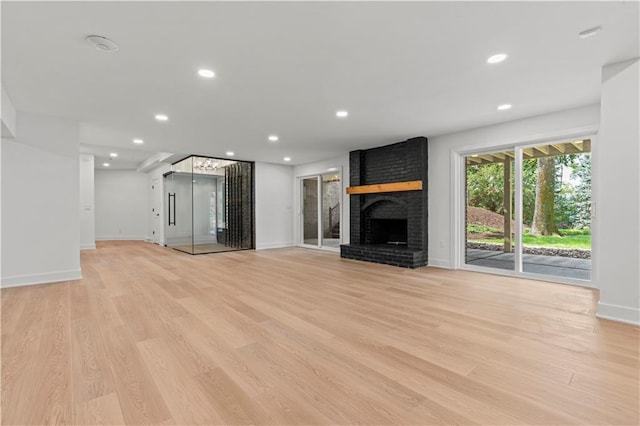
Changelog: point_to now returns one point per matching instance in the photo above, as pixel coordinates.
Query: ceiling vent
(102, 43)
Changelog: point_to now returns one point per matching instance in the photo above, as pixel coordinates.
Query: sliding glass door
(310, 202)
(489, 225)
(528, 210)
(320, 210)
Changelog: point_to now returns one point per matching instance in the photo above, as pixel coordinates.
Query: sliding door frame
(319, 207)
(458, 206)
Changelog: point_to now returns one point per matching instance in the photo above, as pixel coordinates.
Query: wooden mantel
(413, 185)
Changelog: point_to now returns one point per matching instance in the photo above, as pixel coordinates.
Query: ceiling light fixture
(287, 158)
(230, 153)
(342, 114)
(504, 107)
(102, 44)
(161, 117)
(273, 138)
(138, 141)
(206, 73)
(106, 164)
(113, 155)
(495, 59)
(589, 32)
(332, 169)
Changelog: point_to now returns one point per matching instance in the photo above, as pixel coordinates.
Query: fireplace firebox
(388, 231)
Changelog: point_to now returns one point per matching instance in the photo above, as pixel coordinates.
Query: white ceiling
(401, 69)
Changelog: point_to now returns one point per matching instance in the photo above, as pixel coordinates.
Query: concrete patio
(537, 264)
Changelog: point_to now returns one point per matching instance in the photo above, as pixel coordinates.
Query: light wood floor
(298, 336)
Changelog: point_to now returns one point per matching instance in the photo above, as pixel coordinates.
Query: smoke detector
(102, 43)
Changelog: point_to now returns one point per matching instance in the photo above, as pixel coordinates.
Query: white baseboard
(439, 263)
(265, 246)
(51, 277)
(88, 246)
(618, 313)
(121, 238)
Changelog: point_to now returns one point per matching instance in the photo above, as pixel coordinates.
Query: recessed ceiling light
(589, 32)
(332, 169)
(504, 107)
(230, 153)
(102, 43)
(342, 113)
(497, 58)
(113, 154)
(206, 73)
(287, 158)
(161, 117)
(273, 138)
(106, 164)
(138, 141)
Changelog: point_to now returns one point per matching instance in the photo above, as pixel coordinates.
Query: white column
(616, 195)
(87, 210)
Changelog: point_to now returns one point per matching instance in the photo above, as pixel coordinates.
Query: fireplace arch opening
(385, 222)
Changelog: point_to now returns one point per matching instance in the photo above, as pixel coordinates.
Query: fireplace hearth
(388, 201)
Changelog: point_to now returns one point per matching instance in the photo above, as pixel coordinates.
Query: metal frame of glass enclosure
(209, 205)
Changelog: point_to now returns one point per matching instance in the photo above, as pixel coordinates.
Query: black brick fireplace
(388, 222)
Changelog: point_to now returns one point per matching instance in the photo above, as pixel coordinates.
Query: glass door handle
(172, 196)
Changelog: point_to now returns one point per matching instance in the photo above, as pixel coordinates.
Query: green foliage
(570, 241)
(474, 228)
(567, 232)
(573, 192)
(485, 186)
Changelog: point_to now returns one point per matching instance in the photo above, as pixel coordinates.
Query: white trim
(518, 217)
(456, 201)
(267, 246)
(439, 263)
(618, 313)
(50, 277)
(321, 248)
(121, 238)
(553, 136)
(88, 246)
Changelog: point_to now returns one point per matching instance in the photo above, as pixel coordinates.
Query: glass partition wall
(209, 205)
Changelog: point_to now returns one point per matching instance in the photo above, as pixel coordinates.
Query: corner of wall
(618, 313)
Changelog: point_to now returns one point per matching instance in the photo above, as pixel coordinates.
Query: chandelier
(205, 164)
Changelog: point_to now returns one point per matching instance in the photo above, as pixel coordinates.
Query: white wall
(617, 203)
(121, 203)
(442, 173)
(87, 210)
(274, 205)
(40, 215)
(7, 115)
(321, 167)
(157, 198)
